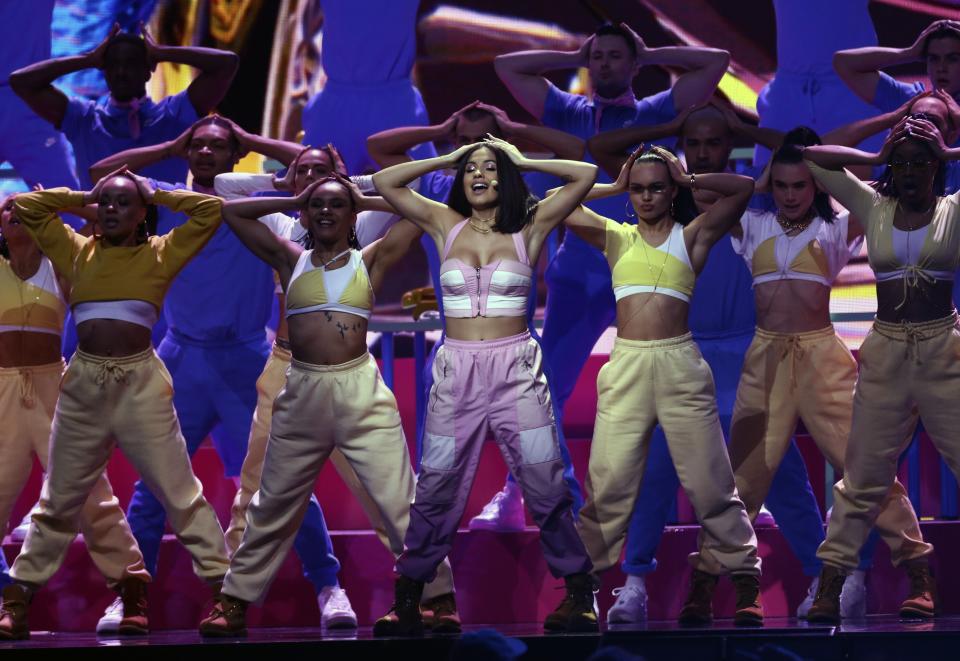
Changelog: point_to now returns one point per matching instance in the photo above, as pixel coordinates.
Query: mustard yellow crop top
(346, 289)
(668, 270)
(97, 271)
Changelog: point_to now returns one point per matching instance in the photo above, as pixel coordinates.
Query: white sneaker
(764, 518)
(335, 609)
(807, 602)
(502, 514)
(110, 622)
(853, 599)
(19, 533)
(630, 607)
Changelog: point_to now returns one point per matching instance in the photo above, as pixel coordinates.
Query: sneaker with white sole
(110, 622)
(502, 514)
(853, 598)
(335, 609)
(807, 602)
(19, 533)
(630, 606)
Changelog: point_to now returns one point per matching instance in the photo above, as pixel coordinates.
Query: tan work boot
(440, 614)
(826, 605)
(698, 609)
(13, 613)
(227, 619)
(133, 594)
(922, 600)
(575, 612)
(749, 611)
(403, 618)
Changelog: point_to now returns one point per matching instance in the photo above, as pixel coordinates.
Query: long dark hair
(4, 248)
(792, 154)
(885, 186)
(517, 205)
(307, 242)
(684, 208)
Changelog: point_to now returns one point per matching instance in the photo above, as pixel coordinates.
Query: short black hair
(804, 136)
(517, 204)
(127, 38)
(611, 30)
(939, 33)
(476, 114)
(214, 120)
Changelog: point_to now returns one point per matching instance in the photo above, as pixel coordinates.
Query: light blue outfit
(368, 53)
(215, 349)
(806, 91)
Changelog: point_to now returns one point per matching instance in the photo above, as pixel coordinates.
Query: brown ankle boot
(13, 613)
(826, 605)
(403, 618)
(921, 603)
(440, 614)
(749, 610)
(576, 611)
(133, 593)
(698, 608)
(227, 619)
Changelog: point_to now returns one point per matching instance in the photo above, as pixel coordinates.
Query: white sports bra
(141, 313)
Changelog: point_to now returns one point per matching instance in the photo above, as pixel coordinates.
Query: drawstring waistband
(107, 367)
(25, 379)
(915, 332)
(794, 345)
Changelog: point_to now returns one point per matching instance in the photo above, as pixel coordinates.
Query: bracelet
(693, 181)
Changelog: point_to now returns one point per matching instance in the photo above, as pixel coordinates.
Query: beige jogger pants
(127, 401)
(665, 381)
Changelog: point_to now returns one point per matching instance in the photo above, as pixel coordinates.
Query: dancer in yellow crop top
(656, 373)
(796, 367)
(908, 361)
(32, 311)
(334, 397)
(116, 390)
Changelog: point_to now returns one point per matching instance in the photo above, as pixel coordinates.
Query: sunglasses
(919, 165)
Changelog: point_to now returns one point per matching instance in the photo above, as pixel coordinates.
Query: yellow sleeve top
(97, 271)
(940, 252)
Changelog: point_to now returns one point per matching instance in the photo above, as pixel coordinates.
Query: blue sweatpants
(215, 394)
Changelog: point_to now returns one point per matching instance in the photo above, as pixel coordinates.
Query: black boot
(575, 612)
(403, 618)
(698, 608)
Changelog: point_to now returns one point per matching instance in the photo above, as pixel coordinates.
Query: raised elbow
(18, 82)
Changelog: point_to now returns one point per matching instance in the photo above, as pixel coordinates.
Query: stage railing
(390, 327)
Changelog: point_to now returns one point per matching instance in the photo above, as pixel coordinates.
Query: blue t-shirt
(26, 38)
(575, 114)
(98, 129)
(892, 93)
(806, 41)
(369, 42)
(722, 302)
(224, 294)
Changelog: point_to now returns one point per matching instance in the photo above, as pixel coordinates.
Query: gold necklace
(482, 229)
(793, 225)
(924, 213)
(646, 258)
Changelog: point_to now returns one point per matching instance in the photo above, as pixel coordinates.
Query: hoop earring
(628, 209)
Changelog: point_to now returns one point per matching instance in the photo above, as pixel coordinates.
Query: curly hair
(885, 185)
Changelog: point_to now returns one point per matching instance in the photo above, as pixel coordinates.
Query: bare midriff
(792, 306)
(28, 349)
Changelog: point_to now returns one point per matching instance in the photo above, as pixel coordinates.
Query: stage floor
(880, 637)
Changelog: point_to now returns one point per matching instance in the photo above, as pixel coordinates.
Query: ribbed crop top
(817, 254)
(498, 289)
(34, 305)
(315, 289)
(667, 272)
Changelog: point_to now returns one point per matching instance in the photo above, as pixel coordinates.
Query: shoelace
(794, 348)
(27, 391)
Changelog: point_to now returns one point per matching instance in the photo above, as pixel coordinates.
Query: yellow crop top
(34, 305)
(97, 271)
(668, 270)
(314, 289)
